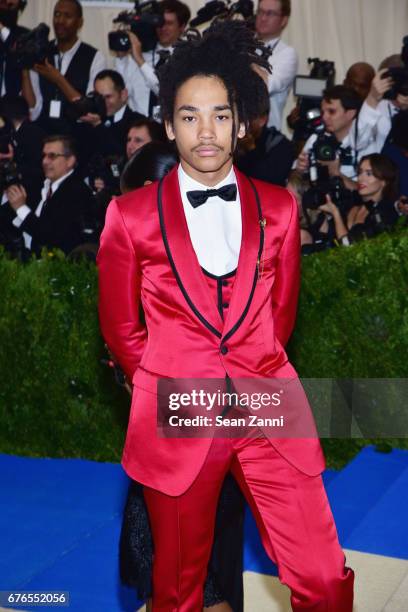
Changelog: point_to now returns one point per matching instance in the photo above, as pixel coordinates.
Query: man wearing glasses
(61, 218)
(271, 19)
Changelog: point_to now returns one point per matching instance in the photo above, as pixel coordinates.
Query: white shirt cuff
(21, 213)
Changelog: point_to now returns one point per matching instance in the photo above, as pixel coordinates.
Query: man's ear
(169, 130)
(241, 130)
(351, 114)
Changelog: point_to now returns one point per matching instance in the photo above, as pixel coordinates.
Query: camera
(32, 47)
(9, 175)
(142, 21)
(325, 147)
(399, 75)
(220, 9)
(309, 91)
(91, 103)
(106, 168)
(315, 196)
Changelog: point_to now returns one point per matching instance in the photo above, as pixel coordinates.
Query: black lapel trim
(173, 266)
(261, 244)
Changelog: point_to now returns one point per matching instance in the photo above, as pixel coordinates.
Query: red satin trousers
(293, 516)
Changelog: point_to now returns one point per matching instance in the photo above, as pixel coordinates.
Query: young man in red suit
(213, 258)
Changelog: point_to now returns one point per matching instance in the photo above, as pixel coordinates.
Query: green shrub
(57, 399)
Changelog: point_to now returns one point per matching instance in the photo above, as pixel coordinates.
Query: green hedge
(57, 399)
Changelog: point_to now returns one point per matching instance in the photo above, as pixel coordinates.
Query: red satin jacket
(146, 258)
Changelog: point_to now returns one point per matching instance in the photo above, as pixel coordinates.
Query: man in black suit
(266, 154)
(66, 75)
(10, 73)
(62, 216)
(109, 134)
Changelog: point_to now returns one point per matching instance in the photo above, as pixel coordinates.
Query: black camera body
(91, 103)
(142, 21)
(334, 187)
(221, 9)
(399, 75)
(32, 47)
(9, 175)
(326, 147)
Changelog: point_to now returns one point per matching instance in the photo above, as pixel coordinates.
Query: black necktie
(228, 193)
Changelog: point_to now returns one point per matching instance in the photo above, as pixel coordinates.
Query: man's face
(9, 4)
(55, 163)
(360, 84)
(114, 98)
(170, 31)
(136, 138)
(335, 118)
(269, 19)
(202, 128)
(66, 21)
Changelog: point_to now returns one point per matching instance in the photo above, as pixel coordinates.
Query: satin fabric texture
(293, 518)
(146, 258)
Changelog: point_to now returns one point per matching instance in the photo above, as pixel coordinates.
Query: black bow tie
(227, 192)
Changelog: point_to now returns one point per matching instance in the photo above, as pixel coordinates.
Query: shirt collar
(71, 52)
(54, 186)
(187, 183)
(118, 116)
(272, 42)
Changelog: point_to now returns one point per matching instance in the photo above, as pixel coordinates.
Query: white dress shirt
(387, 111)
(140, 81)
(24, 211)
(215, 227)
(4, 34)
(284, 62)
(62, 62)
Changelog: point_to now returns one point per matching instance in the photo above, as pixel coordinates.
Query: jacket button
(225, 283)
(225, 305)
(224, 350)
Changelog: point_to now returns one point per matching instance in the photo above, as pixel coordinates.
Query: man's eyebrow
(186, 107)
(194, 109)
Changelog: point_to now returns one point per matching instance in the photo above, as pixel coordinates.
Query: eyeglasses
(268, 14)
(53, 156)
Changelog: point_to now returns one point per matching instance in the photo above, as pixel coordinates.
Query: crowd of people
(69, 125)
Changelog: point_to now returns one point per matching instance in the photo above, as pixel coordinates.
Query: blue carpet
(60, 523)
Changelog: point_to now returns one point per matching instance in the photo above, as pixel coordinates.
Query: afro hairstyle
(227, 50)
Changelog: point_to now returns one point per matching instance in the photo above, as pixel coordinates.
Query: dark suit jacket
(111, 140)
(63, 218)
(28, 145)
(271, 160)
(12, 73)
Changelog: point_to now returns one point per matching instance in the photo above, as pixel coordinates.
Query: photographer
(62, 217)
(377, 188)
(67, 73)
(105, 173)
(271, 19)
(265, 153)
(138, 69)
(107, 135)
(347, 136)
(10, 73)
